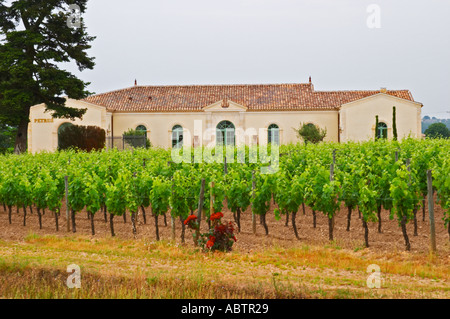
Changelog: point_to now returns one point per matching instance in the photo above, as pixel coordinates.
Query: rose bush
(219, 237)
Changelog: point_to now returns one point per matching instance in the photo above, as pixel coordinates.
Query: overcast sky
(165, 42)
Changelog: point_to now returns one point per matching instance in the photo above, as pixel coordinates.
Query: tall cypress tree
(35, 35)
(376, 128)
(394, 125)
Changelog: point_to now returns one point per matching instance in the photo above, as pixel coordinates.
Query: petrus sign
(43, 120)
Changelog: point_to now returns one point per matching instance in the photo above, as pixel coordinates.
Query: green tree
(34, 37)
(311, 133)
(86, 138)
(136, 138)
(394, 121)
(437, 130)
(376, 127)
(7, 135)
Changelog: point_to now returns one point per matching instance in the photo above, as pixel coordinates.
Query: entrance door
(225, 133)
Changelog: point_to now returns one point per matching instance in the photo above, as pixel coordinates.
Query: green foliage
(311, 133)
(84, 138)
(179, 193)
(265, 185)
(366, 175)
(427, 121)
(289, 193)
(34, 40)
(394, 123)
(116, 199)
(441, 181)
(437, 130)
(160, 195)
(376, 127)
(91, 194)
(405, 193)
(136, 138)
(7, 138)
(323, 192)
(367, 201)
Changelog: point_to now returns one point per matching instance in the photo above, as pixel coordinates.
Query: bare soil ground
(32, 264)
(389, 241)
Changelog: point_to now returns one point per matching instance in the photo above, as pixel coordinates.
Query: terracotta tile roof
(259, 97)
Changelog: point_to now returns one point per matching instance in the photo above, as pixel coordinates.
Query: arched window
(177, 136)
(142, 128)
(61, 128)
(382, 130)
(273, 134)
(225, 133)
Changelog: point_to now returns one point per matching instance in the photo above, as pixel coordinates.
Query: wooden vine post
(431, 211)
(225, 171)
(334, 158)
(200, 206)
(171, 217)
(331, 220)
(253, 195)
(133, 214)
(376, 127)
(394, 123)
(201, 201)
(211, 199)
(66, 184)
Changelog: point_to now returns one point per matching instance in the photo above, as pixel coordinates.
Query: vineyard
(148, 187)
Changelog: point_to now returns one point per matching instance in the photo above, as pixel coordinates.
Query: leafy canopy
(437, 130)
(311, 133)
(35, 40)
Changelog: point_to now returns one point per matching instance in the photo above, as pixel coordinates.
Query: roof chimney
(135, 82)
(225, 103)
(311, 86)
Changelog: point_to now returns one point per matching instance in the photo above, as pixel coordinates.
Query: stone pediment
(225, 105)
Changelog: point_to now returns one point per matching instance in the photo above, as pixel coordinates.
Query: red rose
(214, 217)
(209, 244)
(189, 219)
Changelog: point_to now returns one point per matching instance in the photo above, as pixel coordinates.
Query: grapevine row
(364, 176)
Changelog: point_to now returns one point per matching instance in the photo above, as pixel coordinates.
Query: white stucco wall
(357, 122)
(358, 118)
(44, 136)
(159, 125)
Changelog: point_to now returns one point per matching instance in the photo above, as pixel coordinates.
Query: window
(382, 130)
(177, 136)
(225, 133)
(61, 128)
(142, 128)
(273, 134)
